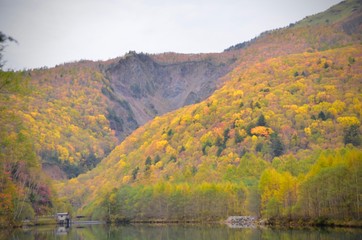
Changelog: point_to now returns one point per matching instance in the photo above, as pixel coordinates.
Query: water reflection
(62, 230)
(175, 232)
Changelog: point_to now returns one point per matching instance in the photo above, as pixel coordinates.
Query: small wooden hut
(63, 218)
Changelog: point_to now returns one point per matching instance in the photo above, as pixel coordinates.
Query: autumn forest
(268, 128)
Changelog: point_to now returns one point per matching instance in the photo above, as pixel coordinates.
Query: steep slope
(25, 191)
(339, 14)
(79, 111)
(286, 118)
(66, 116)
(288, 107)
(272, 112)
(154, 88)
(337, 26)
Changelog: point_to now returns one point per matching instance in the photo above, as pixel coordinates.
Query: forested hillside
(253, 130)
(66, 115)
(25, 191)
(78, 112)
(274, 131)
(287, 118)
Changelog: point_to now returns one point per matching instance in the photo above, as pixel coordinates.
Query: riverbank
(161, 221)
(320, 222)
(233, 221)
(248, 221)
(39, 221)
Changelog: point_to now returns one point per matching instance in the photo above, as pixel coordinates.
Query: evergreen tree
(148, 161)
(352, 136)
(276, 145)
(261, 121)
(322, 116)
(135, 172)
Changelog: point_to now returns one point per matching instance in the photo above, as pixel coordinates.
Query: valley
(270, 127)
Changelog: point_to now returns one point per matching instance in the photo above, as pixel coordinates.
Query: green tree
(148, 161)
(261, 120)
(135, 172)
(322, 116)
(276, 145)
(352, 136)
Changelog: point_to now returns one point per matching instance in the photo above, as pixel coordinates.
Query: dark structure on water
(63, 218)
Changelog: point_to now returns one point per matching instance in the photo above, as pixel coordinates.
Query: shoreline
(272, 223)
(307, 223)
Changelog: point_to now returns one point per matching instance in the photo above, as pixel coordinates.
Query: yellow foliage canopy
(348, 121)
(261, 131)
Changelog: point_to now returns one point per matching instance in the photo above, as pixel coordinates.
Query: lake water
(176, 232)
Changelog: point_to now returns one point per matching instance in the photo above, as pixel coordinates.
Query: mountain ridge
(137, 87)
(257, 127)
(199, 153)
(87, 128)
(345, 16)
(302, 94)
(162, 87)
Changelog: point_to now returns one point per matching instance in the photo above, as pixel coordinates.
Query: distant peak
(130, 54)
(134, 56)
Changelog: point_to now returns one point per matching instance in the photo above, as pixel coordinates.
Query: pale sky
(52, 32)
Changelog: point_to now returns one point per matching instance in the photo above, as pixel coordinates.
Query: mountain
(281, 114)
(252, 130)
(62, 121)
(286, 119)
(153, 88)
(340, 15)
(78, 112)
(333, 27)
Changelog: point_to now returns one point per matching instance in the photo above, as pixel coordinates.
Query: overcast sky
(52, 32)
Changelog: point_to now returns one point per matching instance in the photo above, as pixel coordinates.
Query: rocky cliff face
(153, 88)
